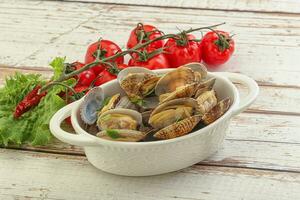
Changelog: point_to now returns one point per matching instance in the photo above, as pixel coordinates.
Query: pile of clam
(155, 107)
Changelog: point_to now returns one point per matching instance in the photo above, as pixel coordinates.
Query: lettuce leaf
(58, 66)
(33, 126)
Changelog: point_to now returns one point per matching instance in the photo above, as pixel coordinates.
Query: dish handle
(71, 138)
(249, 83)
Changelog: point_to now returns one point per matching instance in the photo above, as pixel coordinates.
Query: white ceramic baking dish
(157, 157)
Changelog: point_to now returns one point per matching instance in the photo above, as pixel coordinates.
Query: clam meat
(121, 125)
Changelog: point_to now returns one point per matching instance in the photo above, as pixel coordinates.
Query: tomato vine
(104, 60)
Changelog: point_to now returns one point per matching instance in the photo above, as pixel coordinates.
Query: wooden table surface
(260, 158)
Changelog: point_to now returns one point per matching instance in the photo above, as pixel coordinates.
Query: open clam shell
(180, 92)
(199, 69)
(173, 79)
(148, 85)
(125, 102)
(172, 111)
(146, 116)
(122, 135)
(204, 86)
(119, 118)
(111, 104)
(207, 101)
(149, 103)
(91, 104)
(179, 128)
(137, 82)
(131, 70)
(217, 111)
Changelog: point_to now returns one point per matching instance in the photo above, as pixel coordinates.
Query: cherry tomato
(122, 66)
(81, 88)
(108, 48)
(158, 61)
(86, 77)
(217, 51)
(77, 65)
(150, 32)
(105, 77)
(74, 66)
(180, 53)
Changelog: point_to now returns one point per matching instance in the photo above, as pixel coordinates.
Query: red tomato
(105, 77)
(180, 54)
(158, 61)
(86, 78)
(122, 66)
(80, 88)
(150, 34)
(77, 65)
(108, 48)
(217, 51)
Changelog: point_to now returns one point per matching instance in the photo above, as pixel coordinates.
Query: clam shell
(204, 86)
(148, 85)
(173, 79)
(199, 68)
(132, 83)
(139, 84)
(169, 116)
(216, 112)
(178, 129)
(131, 70)
(149, 103)
(180, 92)
(132, 113)
(187, 101)
(207, 101)
(111, 103)
(91, 104)
(125, 102)
(146, 116)
(124, 135)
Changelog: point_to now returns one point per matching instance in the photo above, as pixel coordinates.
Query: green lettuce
(57, 65)
(33, 126)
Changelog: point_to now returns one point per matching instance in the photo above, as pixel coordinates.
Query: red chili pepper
(30, 100)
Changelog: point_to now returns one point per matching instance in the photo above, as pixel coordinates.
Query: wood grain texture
(260, 156)
(289, 6)
(37, 176)
(34, 32)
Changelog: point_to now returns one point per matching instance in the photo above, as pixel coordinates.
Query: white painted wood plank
(280, 99)
(265, 128)
(267, 44)
(233, 153)
(50, 176)
(288, 6)
(260, 154)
